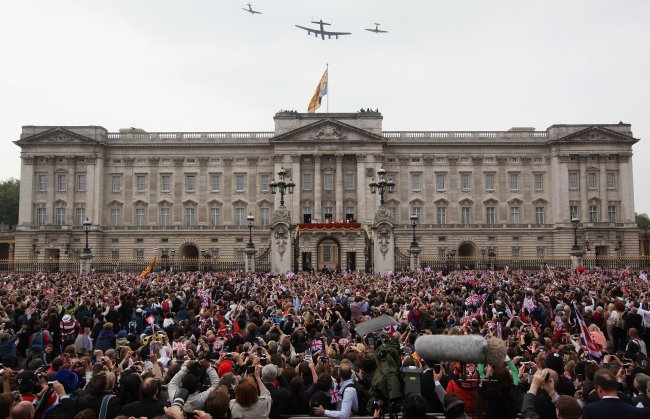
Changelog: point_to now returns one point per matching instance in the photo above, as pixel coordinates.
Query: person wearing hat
(563, 385)
(69, 329)
(66, 383)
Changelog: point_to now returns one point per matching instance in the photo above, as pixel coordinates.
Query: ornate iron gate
(402, 261)
(367, 252)
(263, 260)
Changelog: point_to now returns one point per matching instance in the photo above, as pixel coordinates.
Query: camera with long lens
(180, 398)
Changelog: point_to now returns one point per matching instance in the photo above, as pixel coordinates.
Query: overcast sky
(206, 65)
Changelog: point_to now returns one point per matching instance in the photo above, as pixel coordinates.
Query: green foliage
(642, 220)
(9, 198)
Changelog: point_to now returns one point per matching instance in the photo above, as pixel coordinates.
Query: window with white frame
(611, 180)
(593, 213)
(240, 183)
(81, 183)
(573, 180)
(215, 216)
(61, 183)
(489, 182)
(40, 216)
(139, 216)
(116, 216)
(573, 212)
(265, 216)
(240, 218)
(115, 254)
(514, 215)
(60, 216)
(611, 213)
(349, 213)
(215, 183)
(415, 182)
(539, 181)
(490, 217)
(165, 216)
(329, 213)
(42, 183)
(139, 253)
(440, 181)
(80, 215)
(541, 251)
(464, 181)
(442, 252)
(117, 183)
(514, 181)
(166, 181)
(592, 181)
(265, 180)
(328, 181)
(189, 215)
(441, 215)
(393, 214)
(307, 182)
(465, 215)
(190, 183)
(349, 181)
(539, 215)
(140, 183)
(516, 251)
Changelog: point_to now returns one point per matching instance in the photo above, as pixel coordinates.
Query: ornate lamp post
(281, 185)
(250, 247)
(382, 185)
(87, 225)
(575, 222)
(414, 249)
(86, 254)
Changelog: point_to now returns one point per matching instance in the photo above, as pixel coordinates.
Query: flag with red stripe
(592, 346)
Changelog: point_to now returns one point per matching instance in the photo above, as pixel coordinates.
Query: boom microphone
(472, 349)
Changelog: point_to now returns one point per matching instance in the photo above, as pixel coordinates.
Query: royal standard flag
(149, 268)
(321, 90)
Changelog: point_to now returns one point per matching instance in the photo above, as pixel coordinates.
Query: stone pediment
(56, 136)
(596, 134)
(328, 130)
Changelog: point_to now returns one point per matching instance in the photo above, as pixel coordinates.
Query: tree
(9, 198)
(642, 220)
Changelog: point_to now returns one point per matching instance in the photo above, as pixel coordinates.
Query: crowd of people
(239, 345)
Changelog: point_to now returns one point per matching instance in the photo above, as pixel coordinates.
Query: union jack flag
(592, 347)
(559, 325)
(316, 345)
(150, 319)
(335, 395)
(178, 346)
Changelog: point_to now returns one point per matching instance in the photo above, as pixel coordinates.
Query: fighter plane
(250, 10)
(377, 30)
(322, 32)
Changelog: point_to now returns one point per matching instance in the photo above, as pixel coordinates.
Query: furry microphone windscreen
(473, 349)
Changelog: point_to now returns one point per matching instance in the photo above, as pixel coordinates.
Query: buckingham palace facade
(509, 193)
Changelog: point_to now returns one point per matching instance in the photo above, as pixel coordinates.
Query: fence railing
(535, 263)
(123, 265)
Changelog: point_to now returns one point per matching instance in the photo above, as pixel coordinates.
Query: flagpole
(327, 70)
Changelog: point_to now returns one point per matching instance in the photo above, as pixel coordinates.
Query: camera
(323, 358)
(250, 369)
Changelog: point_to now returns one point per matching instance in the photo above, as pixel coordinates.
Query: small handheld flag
(321, 90)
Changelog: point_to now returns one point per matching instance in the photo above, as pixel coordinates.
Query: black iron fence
(534, 263)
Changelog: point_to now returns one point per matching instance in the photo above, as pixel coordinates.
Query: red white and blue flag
(316, 345)
(592, 346)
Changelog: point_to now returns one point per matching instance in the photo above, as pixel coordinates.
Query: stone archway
(189, 257)
(328, 254)
(467, 250)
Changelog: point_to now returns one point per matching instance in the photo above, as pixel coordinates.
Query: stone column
(295, 177)
(27, 180)
(625, 176)
(338, 184)
(70, 191)
(228, 187)
(86, 260)
(51, 187)
(281, 241)
(361, 189)
(383, 242)
(582, 184)
(318, 188)
(414, 252)
(250, 259)
(97, 213)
